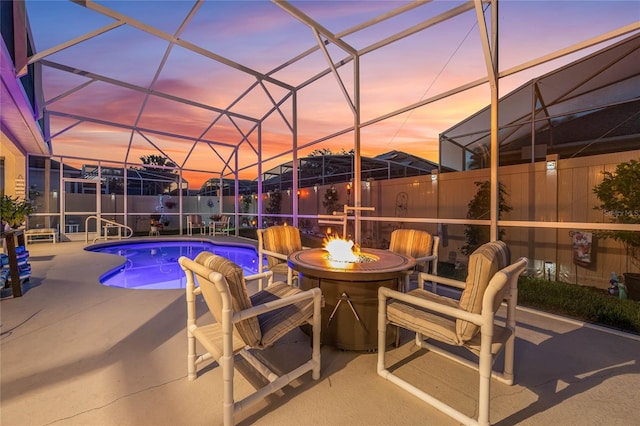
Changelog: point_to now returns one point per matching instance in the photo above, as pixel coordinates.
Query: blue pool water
(154, 265)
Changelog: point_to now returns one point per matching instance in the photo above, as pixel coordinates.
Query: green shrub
(14, 211)
(583, 303)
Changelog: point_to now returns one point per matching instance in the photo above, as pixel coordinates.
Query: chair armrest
(426, 258)
(387, 293)
(254, 277)
(260, 276)
(423, 276)
(279, 255)
(274, 254)
(314, 293)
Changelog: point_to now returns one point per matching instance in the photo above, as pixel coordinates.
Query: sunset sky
(260, 35)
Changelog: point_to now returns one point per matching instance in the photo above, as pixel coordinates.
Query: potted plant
(14, 211)
(620, 202)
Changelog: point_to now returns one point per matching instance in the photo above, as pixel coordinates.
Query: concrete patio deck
(74, 352)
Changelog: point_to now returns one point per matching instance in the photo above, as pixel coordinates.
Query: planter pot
(632, 283)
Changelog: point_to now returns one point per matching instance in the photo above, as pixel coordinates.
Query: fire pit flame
(344, 251)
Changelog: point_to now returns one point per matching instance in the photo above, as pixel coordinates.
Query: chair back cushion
(248, 329)
(281, 239)
(411, 242)
(488, 259)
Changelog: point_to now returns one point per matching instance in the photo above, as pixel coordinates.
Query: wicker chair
(469, 323)
(245, 323)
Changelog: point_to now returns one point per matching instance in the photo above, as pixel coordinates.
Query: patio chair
(195, 221)
(220, 226)
(277, 243)
(420, 245)
(244, 324)
(468, 323)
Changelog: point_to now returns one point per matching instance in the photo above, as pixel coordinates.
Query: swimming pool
(153, 265)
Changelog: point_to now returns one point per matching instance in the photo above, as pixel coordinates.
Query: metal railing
(340, 219)
(102, 229)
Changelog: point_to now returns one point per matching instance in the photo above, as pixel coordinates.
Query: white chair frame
(198, 223)
(223, 333)
(505, 277)
(220, 227)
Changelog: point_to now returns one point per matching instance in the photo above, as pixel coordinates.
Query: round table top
(387, 264)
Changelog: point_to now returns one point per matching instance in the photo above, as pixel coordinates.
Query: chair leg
(316, 329)
(260, 270)
(484, 370)
(290, 276)
(228, 405)
(382, 334)
(407, 283)
(483, 396)
(191, 356)
(509, 351)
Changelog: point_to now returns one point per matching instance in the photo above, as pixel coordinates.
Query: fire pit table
(350, 289)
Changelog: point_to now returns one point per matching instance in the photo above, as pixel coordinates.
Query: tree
(331, 200)
(619, 195)
(480, 208)
(275, 200)
(326, 151)
(158, 179)
(156, 160)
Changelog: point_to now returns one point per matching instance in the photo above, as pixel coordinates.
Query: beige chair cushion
(281, 269)
(212, 338)
(411, 242)
(281, 239)
(483, 264)
(431, 325)
(277, 323)
(248, 329)
(500, 336)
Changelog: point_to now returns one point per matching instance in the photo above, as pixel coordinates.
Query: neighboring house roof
(587, 107)
(330, 169)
